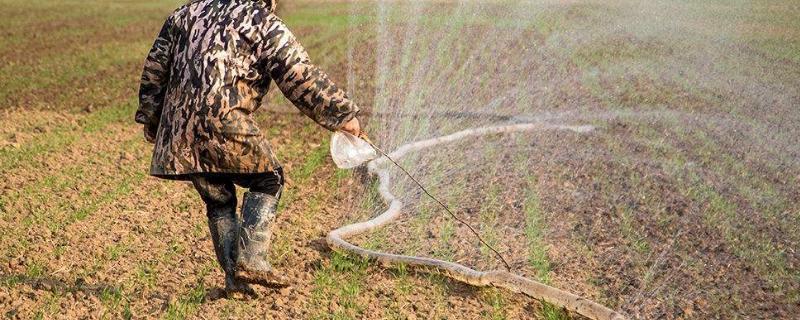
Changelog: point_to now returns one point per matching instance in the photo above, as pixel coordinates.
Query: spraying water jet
(350, 151)
(364, 150)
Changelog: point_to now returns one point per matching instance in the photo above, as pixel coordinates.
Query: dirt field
(86, 233)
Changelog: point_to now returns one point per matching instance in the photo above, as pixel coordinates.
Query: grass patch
(61, 137)
(146, 274)
(488, 220)
(187, 303)
(535, 226)
(498, 303)
(114, 299)
(314, 160)
(337, 285)
(534, 233)
(62, 72)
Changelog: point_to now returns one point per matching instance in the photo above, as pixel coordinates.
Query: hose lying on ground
(495, 278)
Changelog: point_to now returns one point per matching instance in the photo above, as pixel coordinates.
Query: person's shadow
(99, 290)
(53, 284)
(57, 285)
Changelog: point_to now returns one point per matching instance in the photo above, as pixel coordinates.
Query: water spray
(363, 137)
(500, 257)
(349, 151)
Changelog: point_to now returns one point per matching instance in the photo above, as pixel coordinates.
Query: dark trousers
(218, 190)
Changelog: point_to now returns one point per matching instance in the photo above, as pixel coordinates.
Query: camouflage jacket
(206, 74)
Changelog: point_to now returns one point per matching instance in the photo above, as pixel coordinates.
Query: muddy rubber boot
(258, 212)
(224, 235)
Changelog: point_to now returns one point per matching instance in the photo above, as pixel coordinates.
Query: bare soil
(670, 218)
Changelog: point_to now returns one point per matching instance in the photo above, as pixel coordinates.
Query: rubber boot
(255, 234)
(224, 234)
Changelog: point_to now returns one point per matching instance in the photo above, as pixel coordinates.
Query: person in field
(205, 76)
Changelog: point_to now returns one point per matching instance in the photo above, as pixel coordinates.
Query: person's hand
(352, 127)
(149, 133)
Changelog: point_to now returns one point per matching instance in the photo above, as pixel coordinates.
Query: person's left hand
(149, 133)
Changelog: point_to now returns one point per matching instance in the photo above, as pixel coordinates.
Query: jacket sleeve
(303, 83)
(155, 76)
